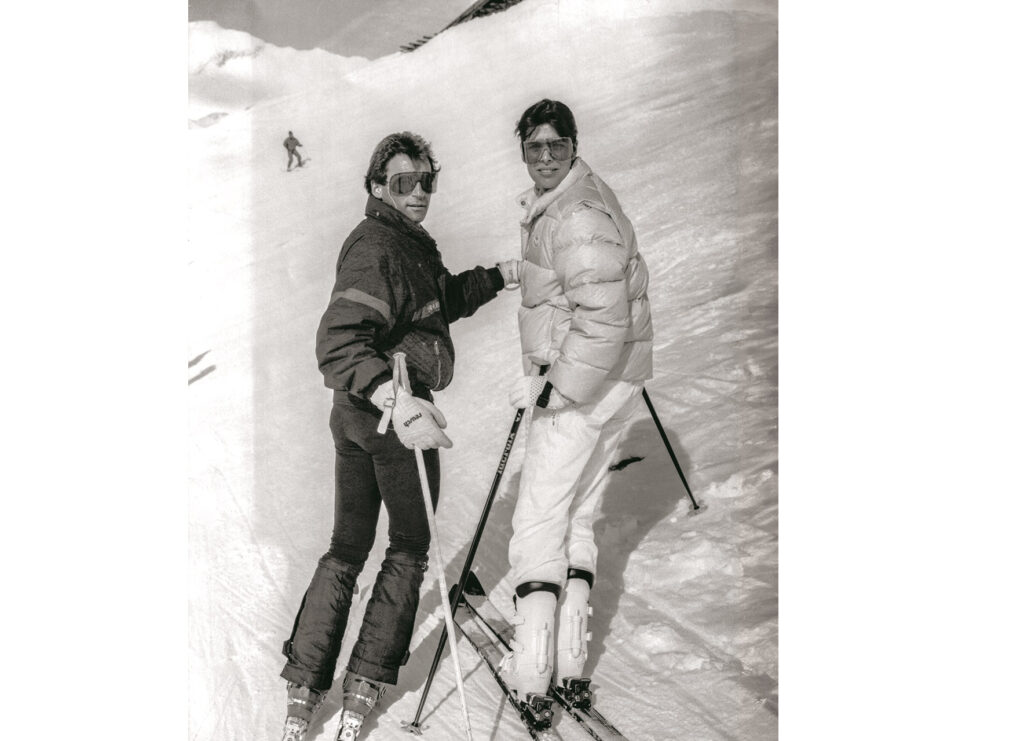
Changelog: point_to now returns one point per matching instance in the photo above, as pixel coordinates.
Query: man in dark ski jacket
(292, 144)
(391, 294)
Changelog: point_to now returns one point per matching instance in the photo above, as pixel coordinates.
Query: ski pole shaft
(467, 568)
(449, 620)
(402, 374)
(668, 447)
(414, 725)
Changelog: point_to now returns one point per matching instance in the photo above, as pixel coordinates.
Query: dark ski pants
(369, 469)
(294, 153)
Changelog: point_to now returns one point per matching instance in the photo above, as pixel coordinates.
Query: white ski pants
(568, 452)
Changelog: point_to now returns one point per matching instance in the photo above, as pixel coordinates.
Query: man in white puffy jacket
(585, 319)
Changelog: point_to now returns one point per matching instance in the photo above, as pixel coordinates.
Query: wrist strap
(545, 395)
(385, 418)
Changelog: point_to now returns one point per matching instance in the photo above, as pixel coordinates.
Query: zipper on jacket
(437, 354)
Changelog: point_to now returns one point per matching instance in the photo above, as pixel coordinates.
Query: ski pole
(671, 453)
(456, 595)
(414, 725)
(402, 374)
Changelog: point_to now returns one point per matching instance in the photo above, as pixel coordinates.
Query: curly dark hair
(414, 146)
(546, 111)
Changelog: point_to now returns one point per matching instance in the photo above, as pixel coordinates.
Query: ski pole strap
(400, 375)
(399, 378)
(385, 417)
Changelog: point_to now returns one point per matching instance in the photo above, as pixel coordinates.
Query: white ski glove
(527, 390)
(510, 272)
(418, 423)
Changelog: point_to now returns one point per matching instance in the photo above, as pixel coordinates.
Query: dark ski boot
(303, 703)
(361, 695)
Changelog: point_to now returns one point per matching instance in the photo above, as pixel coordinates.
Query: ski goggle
(560, 149)
(404, 183)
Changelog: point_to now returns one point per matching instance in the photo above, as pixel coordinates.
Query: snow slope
(676, 105)
(230, 71)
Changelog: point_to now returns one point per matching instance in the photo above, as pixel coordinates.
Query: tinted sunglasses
(404, 183)
(560, 149)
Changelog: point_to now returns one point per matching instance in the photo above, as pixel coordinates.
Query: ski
(574, 696)
(535, 712)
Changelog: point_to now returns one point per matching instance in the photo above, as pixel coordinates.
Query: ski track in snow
(676, 103)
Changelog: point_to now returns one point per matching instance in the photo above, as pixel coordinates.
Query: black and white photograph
(517, 259)
(551, 369)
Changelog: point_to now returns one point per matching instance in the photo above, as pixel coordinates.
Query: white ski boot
(572, 639)
(361, 694)
(528, 668)
(303, 703)
(573, 635)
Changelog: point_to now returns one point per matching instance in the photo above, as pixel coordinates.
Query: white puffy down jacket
(585, 311)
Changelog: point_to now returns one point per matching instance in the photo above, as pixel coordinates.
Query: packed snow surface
(676, 104)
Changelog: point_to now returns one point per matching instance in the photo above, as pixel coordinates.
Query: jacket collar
(535, 203)
(389, 215)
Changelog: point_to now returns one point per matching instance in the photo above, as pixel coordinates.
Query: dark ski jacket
(290, 143)
(392, 293)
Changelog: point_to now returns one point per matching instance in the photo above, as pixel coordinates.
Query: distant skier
(392, 293)
(292, 144)
(584, 316)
